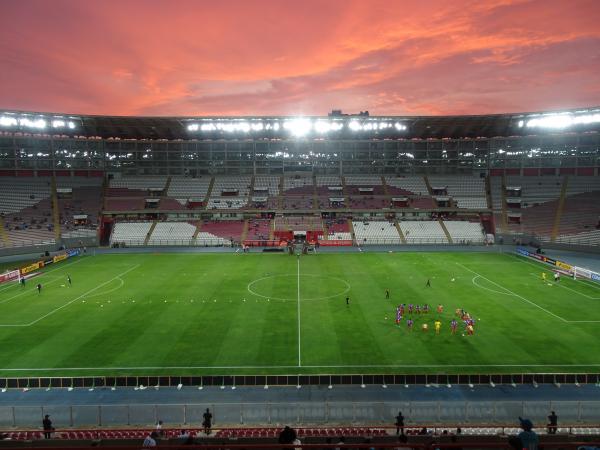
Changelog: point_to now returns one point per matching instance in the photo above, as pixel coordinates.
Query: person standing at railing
(207, 422)
(399, 423)
(552, 423)
(48, 428)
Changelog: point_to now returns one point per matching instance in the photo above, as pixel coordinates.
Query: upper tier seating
(270, 182)
(465, 232)
(355, 182)
(468, 192)
(185, 189)
(239, 182)
(536, 190)
(17, 193)
(130, 233)
(407, 185)
(423, 232)
(239, 187)
(374, 233)
(143, 183)
(298, 184)
(582, 184)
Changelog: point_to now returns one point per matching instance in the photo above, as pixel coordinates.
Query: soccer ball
(463, 334)
(452, 279)
(386, 318)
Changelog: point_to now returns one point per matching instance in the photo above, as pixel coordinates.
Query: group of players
(410, 309)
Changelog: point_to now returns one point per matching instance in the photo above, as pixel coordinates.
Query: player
(22, 281)
(402, 309)
(453, 326)
(39, 288)
(69, 279)
(556, 276)
(440, 308)
(425, 308)
(387, 293)
(438, 325)
(417, 309)
(409, 324)
(410, 308)
(458, 312)
(543, 277)
(398, 315)
(425, 327)
(428, 284)
(470, 329)
(347, 301)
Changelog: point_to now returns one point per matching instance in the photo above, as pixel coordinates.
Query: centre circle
(312, 287)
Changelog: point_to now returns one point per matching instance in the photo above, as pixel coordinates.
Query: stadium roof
(334, 126)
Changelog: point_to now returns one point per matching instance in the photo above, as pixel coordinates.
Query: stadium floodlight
(561, 121)
(38, 123)
(322, 126)
(192, 127)
(6, 121)
(58, 123)
(71, 125)
(400, 127)
(298, 127)
(257, 126)
(354, 125)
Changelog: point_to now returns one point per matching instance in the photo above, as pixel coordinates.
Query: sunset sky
(283, 57)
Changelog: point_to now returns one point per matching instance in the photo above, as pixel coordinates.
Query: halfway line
(299, 358)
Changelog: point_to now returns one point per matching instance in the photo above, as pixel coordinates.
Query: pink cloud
(275, 57)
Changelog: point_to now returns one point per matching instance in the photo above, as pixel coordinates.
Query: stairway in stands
(55, 209)
(152, 227)
(441, 222)
(402, 237)
(3, 235)
(559, 209)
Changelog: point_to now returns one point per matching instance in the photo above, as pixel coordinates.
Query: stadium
(186, 254)
(259, 224)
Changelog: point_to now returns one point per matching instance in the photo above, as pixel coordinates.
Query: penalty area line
(515, 294)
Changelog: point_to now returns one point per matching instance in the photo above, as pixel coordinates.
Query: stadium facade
(525, 143)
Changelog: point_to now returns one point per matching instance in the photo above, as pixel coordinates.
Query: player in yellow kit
(438, 325)
(544, 277)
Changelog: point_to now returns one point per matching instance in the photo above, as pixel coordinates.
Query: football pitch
(196, 314)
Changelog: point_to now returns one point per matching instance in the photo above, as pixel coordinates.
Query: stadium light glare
(8, 121)
(58, 123)
(71, 125)
(192, 127)
(322, 126)
(354, 125)
(561, 121)
(38, 123)
(298, 127)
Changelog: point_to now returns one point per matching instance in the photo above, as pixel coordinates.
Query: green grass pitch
(194, 314)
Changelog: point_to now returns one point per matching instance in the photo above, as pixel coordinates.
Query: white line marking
(486, 288)
(110, 290)
(340, 366)
(270, 297)
(548, 269)
(516, 295)
(572, 290)
(74, 300)
(299, 357)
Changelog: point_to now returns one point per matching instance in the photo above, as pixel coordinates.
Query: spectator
(297, 442)
(399, 423)
(48, 428)
(341, 442)
(527, 439)
(158, 429)
(207, 422)
(552, 423)
(287, 436)
(150, 440)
